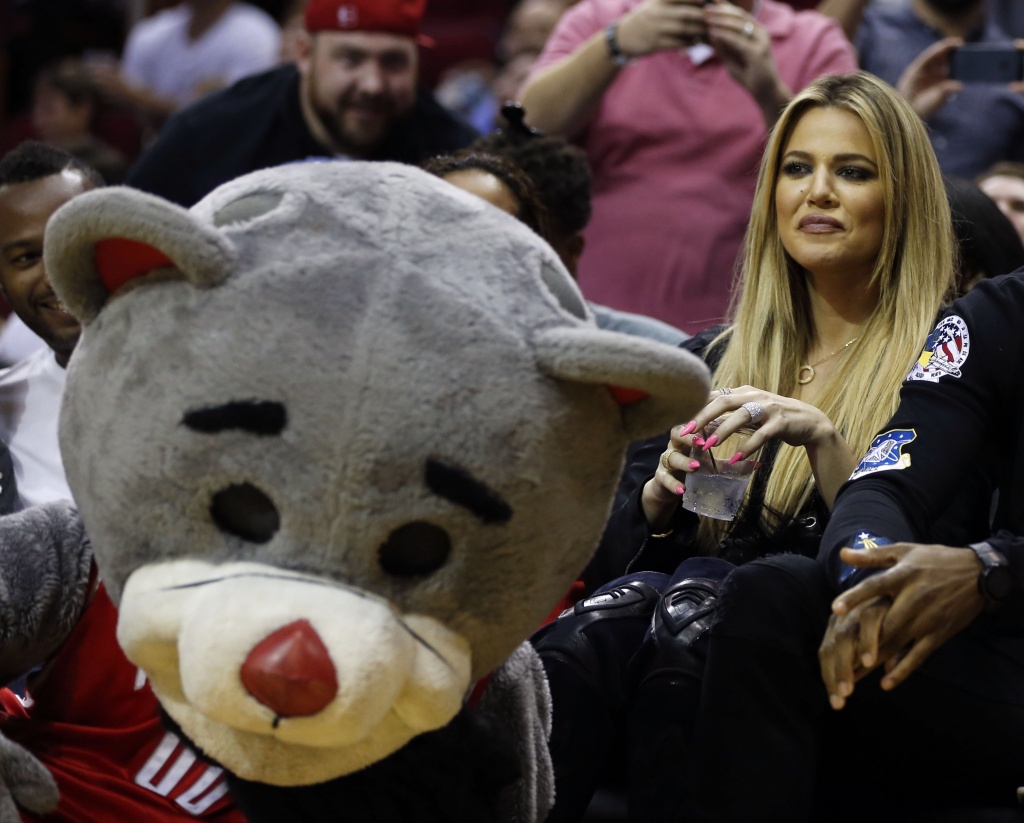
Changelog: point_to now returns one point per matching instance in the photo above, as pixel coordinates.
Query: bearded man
(352, 93)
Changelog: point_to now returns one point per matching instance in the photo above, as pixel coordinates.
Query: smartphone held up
(987, 63)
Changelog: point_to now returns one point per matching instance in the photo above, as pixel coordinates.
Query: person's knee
(597, 637)
(675, 641)
(786, 596)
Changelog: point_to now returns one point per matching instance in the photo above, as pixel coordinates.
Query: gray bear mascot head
(341, 436)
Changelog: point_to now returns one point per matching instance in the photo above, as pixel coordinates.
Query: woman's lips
(819, 224)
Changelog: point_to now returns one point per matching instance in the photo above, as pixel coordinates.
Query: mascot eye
(415, 549)
(246, 512)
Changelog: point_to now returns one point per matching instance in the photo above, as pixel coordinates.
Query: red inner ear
(624, 396)
(119, 260)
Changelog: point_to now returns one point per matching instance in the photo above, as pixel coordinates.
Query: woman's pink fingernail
(694, 464)
(689, 428)
(736, 458)
(680, 490)
(698, 441)
(711, 441)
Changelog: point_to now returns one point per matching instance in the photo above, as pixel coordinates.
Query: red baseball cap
(402, 17)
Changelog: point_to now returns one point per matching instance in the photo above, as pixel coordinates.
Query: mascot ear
(105, 239)
(657, 385)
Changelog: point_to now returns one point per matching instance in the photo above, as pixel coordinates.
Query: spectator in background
(35, 181)
(1004, 183)
(522, 42)
(64, 107)
(988, 241)
(672, 101)
(187, 51)
(561, 176)
(476, 90)
(972, 126)
(496, 178)
(352, 94)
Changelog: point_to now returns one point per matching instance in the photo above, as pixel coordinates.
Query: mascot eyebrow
(260, 417)
(461, 488)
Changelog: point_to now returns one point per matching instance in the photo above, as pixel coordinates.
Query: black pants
(771, 749)
(625, 690)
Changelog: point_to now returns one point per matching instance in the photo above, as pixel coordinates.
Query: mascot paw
(24, 781)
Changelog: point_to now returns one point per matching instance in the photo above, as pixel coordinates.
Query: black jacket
(948, 468)
(627, 546)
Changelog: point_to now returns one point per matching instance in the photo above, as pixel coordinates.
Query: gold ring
(665, 456)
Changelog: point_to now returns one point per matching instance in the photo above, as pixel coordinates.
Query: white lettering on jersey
(201, 795)
(194, 801)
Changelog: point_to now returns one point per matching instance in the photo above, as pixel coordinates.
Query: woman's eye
(794, 169)
(855, 173)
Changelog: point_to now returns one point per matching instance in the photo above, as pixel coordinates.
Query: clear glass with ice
(716, 489)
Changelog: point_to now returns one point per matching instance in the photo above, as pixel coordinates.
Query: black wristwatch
(619, 57)
(995, 581)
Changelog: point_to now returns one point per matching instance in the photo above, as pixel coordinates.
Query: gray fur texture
(45, 557)
(518, 694)
(25, 782)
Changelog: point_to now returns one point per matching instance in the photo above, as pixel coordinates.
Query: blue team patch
(864, 540)
(886, 453)
(944, 353)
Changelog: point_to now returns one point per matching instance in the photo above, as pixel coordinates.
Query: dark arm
(930, 474)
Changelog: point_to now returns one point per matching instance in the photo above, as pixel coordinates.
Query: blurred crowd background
(59, 62)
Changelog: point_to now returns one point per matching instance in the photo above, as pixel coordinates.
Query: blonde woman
(849, 256)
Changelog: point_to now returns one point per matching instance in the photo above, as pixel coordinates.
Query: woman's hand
(662, 493)
(781, 418)
(796, 423)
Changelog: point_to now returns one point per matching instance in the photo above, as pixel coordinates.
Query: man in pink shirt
(672, 100)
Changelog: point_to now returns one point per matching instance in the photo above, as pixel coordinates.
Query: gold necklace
(803, 379)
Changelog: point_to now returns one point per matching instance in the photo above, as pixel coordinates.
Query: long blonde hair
(772, 327)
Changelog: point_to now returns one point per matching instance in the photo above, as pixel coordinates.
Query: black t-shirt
(258, 123)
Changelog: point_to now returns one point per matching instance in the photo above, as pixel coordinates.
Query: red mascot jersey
(92, 719)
